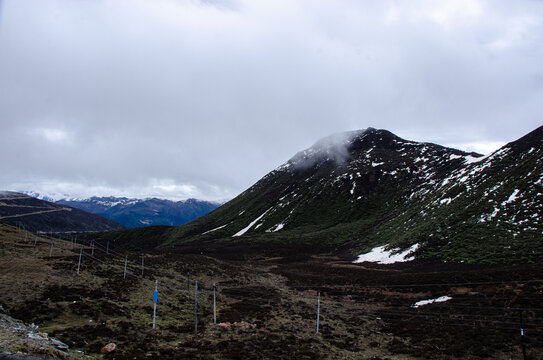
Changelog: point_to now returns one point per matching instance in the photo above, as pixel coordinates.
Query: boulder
(108, 348)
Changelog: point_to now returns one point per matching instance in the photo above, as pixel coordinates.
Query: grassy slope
(410, 207)
(479, 225)
(54, 217)
(132, 239)
(359, 312)
(47, 291)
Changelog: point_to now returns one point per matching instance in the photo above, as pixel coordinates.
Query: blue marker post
(155, 299)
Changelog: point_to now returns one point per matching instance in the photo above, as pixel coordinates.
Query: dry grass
(47, 290)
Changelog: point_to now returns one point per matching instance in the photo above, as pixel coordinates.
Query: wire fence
(458, 312)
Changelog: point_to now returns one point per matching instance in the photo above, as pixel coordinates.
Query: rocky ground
(18, 339)
(266, 304)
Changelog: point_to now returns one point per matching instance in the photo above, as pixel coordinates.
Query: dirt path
(24, 206)
(34, 213)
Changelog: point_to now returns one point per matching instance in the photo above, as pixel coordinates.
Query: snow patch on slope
(430, 301)
(217, 228)
(276, 227)
(513, 197)
(244, 230)
(382, 256)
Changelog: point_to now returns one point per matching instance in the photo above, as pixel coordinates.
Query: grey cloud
(181, 97)
(222, 4)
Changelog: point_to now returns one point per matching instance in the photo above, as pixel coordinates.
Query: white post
(155, 299)
(196, 307)
(36, 240)
(142, 266)
(214, 304)
(318, 310)
(92, 247)
(79, 264)
(51, 250)
(125, 260)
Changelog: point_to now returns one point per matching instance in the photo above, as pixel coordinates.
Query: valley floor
(267, 303)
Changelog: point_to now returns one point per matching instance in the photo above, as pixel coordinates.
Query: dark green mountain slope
(365, 176)
(370, 188)
(488, 211)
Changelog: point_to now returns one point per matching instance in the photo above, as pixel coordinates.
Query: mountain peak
(372, 144)
(335, 147)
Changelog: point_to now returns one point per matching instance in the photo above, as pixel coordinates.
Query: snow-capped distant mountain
(134, 213)
(38, 195)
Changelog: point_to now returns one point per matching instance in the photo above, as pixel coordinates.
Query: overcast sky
(187, 98)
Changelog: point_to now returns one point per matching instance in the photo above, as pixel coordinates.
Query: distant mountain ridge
(133, 213)
(39, 215)
(370, 188)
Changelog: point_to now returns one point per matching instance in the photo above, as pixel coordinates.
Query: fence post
(125, 260)
(522, 336)
(142, 266)
(155, 299)
(92, 247)
(196, 307)
(318, 310)
(79, 264)
(214, 304)
(51, 250)
(36, 240)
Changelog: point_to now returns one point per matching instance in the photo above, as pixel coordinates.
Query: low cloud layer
(186, 98)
